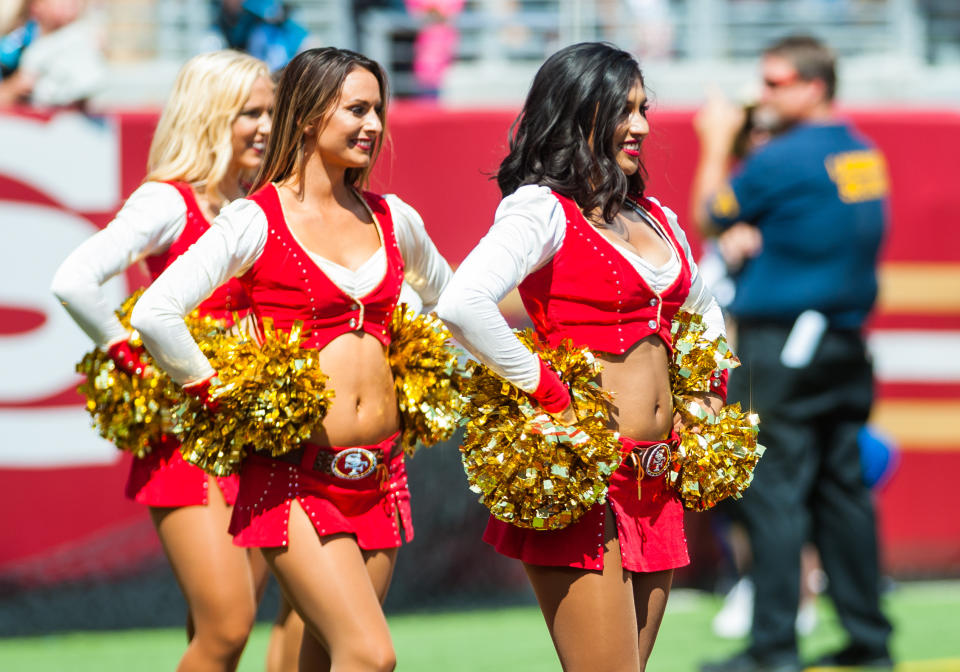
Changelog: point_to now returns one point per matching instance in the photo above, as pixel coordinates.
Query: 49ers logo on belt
(656, 459)
(353, 463)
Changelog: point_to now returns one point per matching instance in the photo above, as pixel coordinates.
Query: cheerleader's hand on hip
(554, 397)
(129, 358)
(200, 391)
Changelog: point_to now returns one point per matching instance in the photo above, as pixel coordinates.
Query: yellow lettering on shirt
(859, 176)
(724, 204)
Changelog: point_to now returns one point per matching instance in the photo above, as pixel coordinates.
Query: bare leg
(591, 615)
(215, 578)
(283, 651)
(337, 592)
(650, 593)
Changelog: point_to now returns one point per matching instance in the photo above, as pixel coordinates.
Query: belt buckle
(656, 459)
(353, 463)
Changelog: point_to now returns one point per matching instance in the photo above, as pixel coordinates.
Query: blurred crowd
(56, 52)
(51, 52)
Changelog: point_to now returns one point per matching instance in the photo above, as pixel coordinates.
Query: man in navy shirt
(808, 210)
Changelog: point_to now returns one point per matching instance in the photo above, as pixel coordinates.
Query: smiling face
(251, 128)
(347, 136)
(631, 130)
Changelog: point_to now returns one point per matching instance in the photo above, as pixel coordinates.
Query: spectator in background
(54, 57)
(436, 44)
(817, 193)
(13, 14)
(653, 27)
(264, 29)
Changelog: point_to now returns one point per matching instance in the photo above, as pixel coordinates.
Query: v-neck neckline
(309, 254)
(659, 228)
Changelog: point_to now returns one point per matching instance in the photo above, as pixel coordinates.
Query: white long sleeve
(236, 239)
(527, 232)
(148, 223)
(425, 269)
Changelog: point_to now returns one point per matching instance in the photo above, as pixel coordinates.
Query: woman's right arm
(235, 240)
(147, 224)
(527, 231)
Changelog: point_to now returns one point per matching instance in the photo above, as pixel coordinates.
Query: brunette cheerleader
(598, 262)
(309, 246)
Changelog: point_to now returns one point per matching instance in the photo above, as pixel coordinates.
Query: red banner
(62, 177)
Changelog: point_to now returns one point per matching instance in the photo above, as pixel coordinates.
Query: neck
(322, 184)
(230, 186)
(820, 114)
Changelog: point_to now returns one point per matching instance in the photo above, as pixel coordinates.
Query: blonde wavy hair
(193, 140)
(309, 87)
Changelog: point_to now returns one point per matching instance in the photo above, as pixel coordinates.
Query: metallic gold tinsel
(426, 378)
(128, 410)
(717, 454)
(271, 396)
(529, 470)
(718, 460)
(696, 358)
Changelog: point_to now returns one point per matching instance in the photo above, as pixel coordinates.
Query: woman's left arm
(425, 269)
(701, 301)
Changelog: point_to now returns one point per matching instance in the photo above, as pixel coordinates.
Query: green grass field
(926, 616)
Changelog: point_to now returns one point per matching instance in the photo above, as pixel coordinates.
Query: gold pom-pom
(717, 454)
(129, 410)
(717, 460)
(271, 396)
(695, 357)
(425, 376)
(529, 470)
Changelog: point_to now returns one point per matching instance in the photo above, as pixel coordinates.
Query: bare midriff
(639, 381)
(364, 409)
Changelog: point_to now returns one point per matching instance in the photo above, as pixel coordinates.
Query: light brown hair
(309, 87)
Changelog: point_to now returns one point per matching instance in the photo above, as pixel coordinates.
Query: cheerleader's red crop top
(590, 293)
(285, 284)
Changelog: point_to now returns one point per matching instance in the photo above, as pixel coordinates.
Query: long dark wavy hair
(577, 100)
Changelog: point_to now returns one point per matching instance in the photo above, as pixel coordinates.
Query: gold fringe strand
(130, 411)
(717, 460)
(717, 454)
(271, 396)
(426, 377)
(695, 357)
(529, 470)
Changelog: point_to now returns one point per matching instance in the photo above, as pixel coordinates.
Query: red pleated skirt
(164, 479)
(649, 528)
(374, 508)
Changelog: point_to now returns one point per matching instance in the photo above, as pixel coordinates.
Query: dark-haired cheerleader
(598, 262)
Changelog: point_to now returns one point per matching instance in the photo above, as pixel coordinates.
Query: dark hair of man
(563, 137)
(811, 58)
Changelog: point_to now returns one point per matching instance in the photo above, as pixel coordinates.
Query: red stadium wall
(62, 176)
